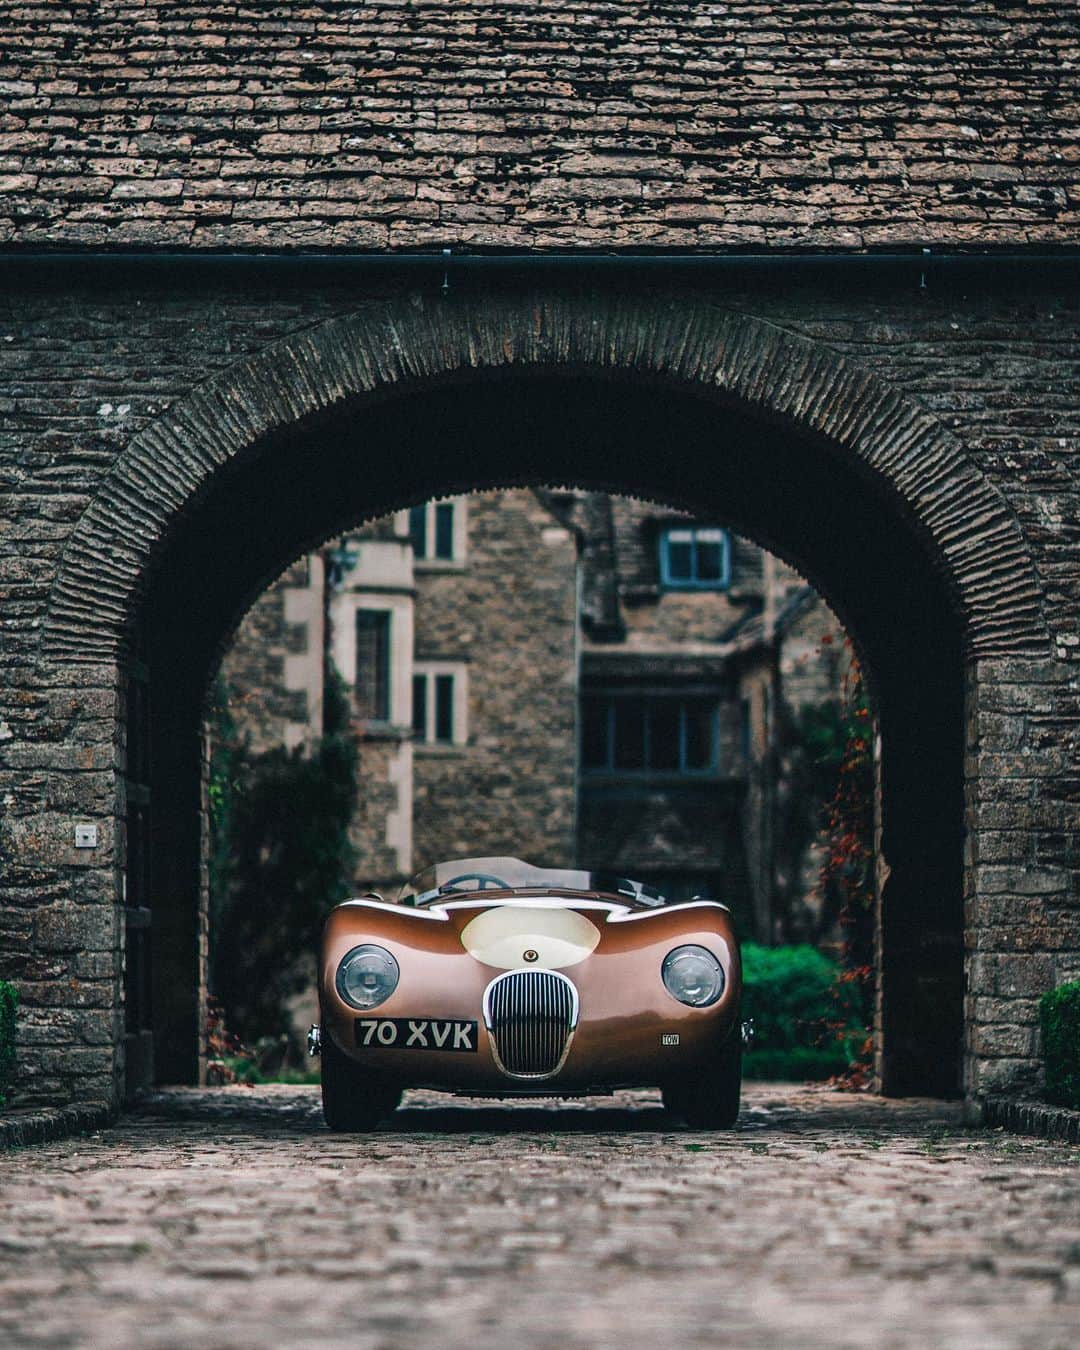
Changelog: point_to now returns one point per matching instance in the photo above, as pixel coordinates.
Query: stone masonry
(174, 434)
(761, 646)
(516, 626)
(504, 617)
(276, 658)
(60, 747)
(564, 125)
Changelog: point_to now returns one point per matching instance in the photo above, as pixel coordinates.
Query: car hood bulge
(553, 938)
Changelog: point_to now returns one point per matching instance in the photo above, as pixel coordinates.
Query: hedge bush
(802, 1063)
(807, 1021)
(1059, 1014)
(9, 1001)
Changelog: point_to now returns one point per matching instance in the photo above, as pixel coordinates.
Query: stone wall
(816, 659)
(813, 668)
(511, 615)
(573, 125)
(378, 862)
(86, 372)
(273, 667)
(1022, 897)
(658, 618)
(568, 124)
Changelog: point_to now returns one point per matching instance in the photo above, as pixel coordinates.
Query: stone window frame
(380, 623)
(460, 534)
(429, 672)
(344, 653)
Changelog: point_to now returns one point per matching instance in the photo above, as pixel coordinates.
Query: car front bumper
(614, 1038)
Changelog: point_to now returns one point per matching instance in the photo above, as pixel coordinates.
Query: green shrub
(806, 1020)
(1059, 1014)
(9, 1001)
(801, 1063)
(280, 860)
(245, 1070)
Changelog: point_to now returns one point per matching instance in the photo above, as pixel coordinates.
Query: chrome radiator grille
(531, 1015)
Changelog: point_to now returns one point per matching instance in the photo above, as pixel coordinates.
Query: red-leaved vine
(847, 873)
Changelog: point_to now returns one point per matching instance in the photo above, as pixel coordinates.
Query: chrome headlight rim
(381, 992)
(708, 963)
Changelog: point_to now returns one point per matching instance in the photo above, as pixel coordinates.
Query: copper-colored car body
(535, 988)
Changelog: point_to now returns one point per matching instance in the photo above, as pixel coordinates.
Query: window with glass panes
(649, 733)
(373, 664)
(431, 530)
(695, 558)
(433, 708)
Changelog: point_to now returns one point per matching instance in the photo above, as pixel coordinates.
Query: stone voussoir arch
(965, 521)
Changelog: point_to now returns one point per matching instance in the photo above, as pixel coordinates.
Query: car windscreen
(468, 876)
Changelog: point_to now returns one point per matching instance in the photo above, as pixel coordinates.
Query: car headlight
(367, 976)
(693, 975)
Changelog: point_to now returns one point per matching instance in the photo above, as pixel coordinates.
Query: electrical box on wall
(86, 836)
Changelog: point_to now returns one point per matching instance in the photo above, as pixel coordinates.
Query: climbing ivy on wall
(847, 873)
(814, 745)
(280, 859)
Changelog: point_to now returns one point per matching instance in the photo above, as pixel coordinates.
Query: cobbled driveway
(231, 1217)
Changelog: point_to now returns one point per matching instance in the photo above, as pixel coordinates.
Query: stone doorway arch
(839, 473)
(400, 345)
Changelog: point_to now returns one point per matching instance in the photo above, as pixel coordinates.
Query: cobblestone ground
(231, 1217)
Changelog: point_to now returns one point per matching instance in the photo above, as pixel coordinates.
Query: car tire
(354, 1099)
(710, 1101)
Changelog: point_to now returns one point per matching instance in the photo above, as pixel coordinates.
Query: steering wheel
(485, 881)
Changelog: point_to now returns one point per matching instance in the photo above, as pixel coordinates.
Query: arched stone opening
(861, 491)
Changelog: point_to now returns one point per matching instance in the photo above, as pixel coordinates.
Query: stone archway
(349, 388)
(978, 544)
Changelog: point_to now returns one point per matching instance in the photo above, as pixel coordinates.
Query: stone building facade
(572, 677)
(700, 649)
(454, 628)
(215, 342)
(1016, 815)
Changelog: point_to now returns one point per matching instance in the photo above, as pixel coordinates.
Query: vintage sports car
(490, 977)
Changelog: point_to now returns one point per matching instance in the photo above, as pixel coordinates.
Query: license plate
(415, 1033)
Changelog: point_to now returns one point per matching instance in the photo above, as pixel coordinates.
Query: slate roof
(567, 124)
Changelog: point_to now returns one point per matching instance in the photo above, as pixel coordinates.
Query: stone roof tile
(567, 124)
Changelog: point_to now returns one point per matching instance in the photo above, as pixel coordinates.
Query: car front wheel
(710, 1100)
(354, 1098)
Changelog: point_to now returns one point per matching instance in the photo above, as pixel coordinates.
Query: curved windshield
(468, 876)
